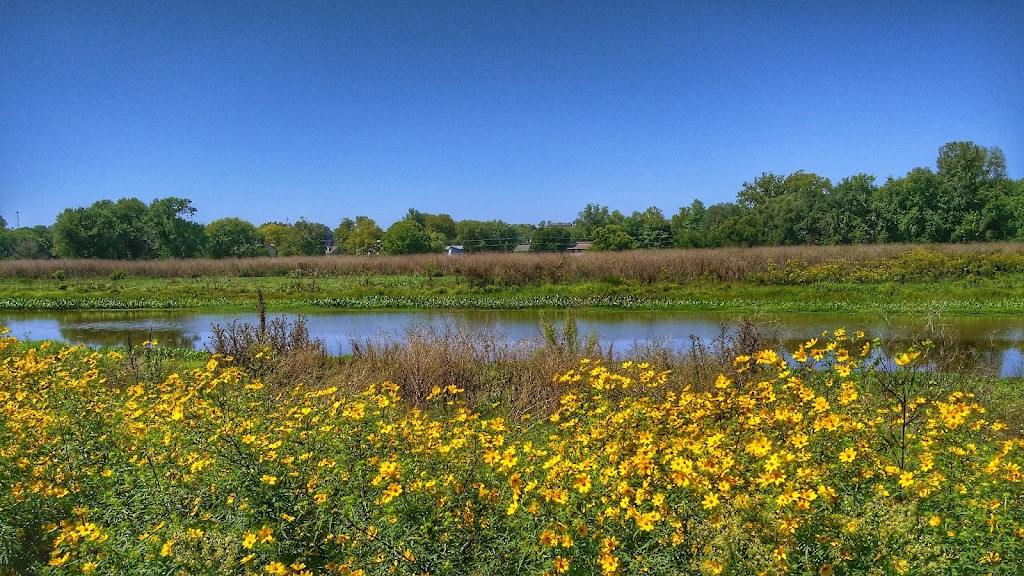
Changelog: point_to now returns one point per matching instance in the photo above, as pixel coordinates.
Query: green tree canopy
(406, 237)
(233, 237)
(591, 218)
(550, 239)
(442, 224)
(304, 238)
(364, 238)
(849, 215)
(757, 193)
(106, 229)
(686, 226)
(974, 191)
(170, 230)
(341, 234)
(612, 237)
(649, 228)
(309, 238)
(490, 236)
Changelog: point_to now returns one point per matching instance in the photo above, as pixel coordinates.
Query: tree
(364, 237)
(910, 208)
(470, 234)
(170, 230)
(26, 243)
(304, 238)
(233, 237)
(442, 224)
(501, 236)
(649, 228)
(406, 237)
(309, 238)
(275, 235)
(550, 239)
(106, 229)
(793, 213)
(686, 226)
(341, 234)
(591, 218)
(1016, 199)
(729, 224)
(612, 238)
(849, 217)
(416, 216)
(765, 187)
(490, 236)
(973, 186)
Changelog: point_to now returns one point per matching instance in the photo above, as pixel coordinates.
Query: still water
(988, 344)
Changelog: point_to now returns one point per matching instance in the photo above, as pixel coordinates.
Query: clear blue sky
(518, 110)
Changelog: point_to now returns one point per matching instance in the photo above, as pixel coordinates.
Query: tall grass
(488, 368)
(646, 266)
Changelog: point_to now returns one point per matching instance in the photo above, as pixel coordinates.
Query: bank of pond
(991, 345)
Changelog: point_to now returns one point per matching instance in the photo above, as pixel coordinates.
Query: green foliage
(612, 238)
(364, 237)
(308, 238)
(565, 340)
(304, 238)
(341, 234)
(233, 237)
(490, 236)
(850, 216)
(110, 230)
(649, 228)
(686, 226)
(441, 224)
(26, 243)
(591, 218)
(406, 237)
(968, 197)
(170, 231)
(550, 239)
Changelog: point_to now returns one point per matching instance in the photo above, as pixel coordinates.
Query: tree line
(967, 198)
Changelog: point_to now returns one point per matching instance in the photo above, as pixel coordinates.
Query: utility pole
(17, 216)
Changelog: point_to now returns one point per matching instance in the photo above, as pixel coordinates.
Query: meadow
(960, 279)
(840, 457)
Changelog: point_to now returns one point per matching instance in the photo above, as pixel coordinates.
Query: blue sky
(523, 111)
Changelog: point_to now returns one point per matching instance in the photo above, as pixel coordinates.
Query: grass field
(957, 279)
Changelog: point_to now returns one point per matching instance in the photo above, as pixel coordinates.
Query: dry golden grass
(489, 367)
(726, 264)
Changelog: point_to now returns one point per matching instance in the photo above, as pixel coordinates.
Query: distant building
(579, 247)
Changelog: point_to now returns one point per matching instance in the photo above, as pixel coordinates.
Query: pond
(988, 344)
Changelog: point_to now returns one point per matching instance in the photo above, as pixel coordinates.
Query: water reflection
(977, 344)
